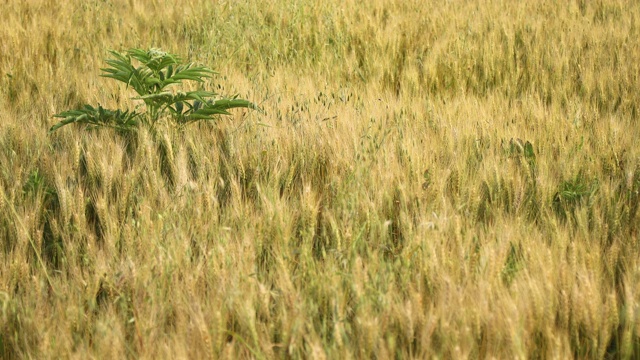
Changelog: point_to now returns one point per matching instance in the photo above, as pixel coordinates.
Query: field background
(446, 179)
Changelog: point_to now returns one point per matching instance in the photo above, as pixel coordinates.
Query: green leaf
(163, 97)
(198, 116)
(169, 98)
(120, 65)
(140, 55)
(194, 73)
(212, 111)
(151, 80)
(234, 103)
(179, 106)
(88, 115)
(529, 153)
(154, 59)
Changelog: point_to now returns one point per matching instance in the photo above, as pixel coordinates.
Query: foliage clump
(151, 74)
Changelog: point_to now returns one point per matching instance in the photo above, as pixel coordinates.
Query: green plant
(151, 79)
(573, 193)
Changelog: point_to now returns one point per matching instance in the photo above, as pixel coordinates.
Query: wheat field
(447, 179)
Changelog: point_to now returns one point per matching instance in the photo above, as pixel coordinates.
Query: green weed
(152, 79)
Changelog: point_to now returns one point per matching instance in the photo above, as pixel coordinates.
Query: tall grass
(452, 179)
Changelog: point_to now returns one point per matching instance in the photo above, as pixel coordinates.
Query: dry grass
(383, 207)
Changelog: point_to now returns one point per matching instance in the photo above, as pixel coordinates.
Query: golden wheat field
(427, 179)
